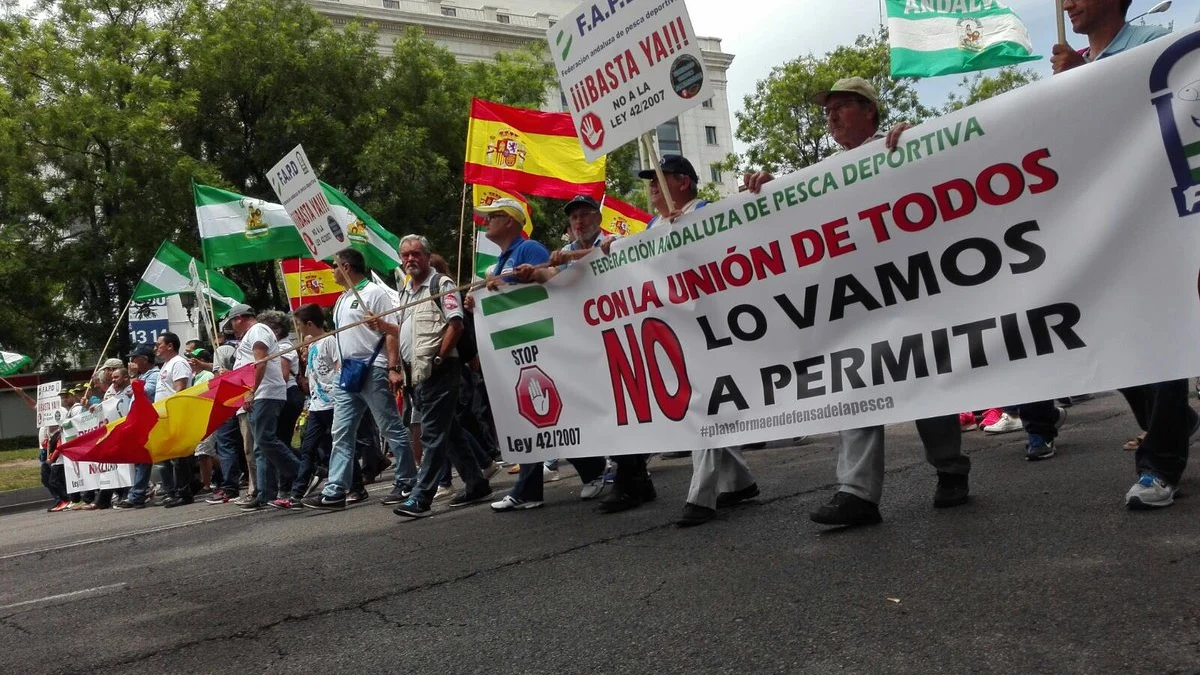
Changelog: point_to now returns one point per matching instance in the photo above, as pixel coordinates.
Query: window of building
(710, 135)
(668, 138)
(391, 4)
(503, 18)
(715, 173)
(449, 11)
(707, 103)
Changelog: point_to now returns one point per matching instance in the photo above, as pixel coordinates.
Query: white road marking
(63, 596)
(123, 535)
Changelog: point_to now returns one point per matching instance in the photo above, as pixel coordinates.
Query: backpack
(467, 349)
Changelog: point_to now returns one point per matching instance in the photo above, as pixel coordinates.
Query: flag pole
(662, 179)
(462, 226)
(1062, 26)
(28, 399)
(212, 313)
(111, 335)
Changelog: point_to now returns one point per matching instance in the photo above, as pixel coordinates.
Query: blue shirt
(151, 379)
(1127, 38)
(523, 251)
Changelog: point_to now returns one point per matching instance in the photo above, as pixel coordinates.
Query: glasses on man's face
(836, 107)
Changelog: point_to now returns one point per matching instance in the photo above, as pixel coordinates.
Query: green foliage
(982, 87)
(785, 131)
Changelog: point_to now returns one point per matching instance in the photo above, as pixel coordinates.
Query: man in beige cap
(852, 111)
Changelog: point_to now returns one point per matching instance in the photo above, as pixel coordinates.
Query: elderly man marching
(852, 110)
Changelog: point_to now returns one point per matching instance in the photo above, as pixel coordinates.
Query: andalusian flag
(940, 37)
(236, 229)
(486, 252)
(168, 274)
(11, 364)
(619, 218)
(169, 429)
(309, 281)
(528, 151)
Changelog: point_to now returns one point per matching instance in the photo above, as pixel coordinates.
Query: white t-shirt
(451, 308)
(175, 369)
(359, 342)
(271, 388)
(293, 359)
(322, 374)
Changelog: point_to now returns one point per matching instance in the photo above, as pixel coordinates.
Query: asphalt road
(1045, 571)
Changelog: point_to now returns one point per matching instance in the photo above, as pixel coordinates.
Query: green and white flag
(941, 37)
(168, 274)
(486, 254)
(11, 364)
(235, 229)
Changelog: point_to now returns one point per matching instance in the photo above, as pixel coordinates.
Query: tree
(982, 87)
(785, 131)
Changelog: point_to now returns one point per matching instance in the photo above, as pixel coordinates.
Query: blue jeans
(271, 455)
(229, 447)
(530, 484)
(141, 482)
(348, 409)
(436, 402)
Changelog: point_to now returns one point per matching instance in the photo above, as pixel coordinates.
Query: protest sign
(148, 320)
(84, 476)
(626, 67)
(49, 410)
(987, 261)
(296, 185)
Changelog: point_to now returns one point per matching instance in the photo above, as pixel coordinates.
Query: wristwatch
(437, 361)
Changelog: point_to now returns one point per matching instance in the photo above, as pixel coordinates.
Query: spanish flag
(619, 218)
(486, 253)
(169, 429)
(528, 151)
(309, 281)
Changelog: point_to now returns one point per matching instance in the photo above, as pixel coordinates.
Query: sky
(775, 31)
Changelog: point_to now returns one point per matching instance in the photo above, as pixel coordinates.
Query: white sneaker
(1006, 424)
(443, 492)
(511, 503)
(1150, 492)
(244, 500)
(592, 489)
(550, 475)
(1062, 417)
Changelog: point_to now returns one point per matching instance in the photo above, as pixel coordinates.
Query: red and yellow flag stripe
(528, 151)
(620, 218)
(309, 281)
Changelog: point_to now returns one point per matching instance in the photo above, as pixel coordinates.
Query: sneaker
(411, 509)
(990, 417)
(953, 489)
(727, 499)
(284, 504)
(592, 490)
(967, 421)
(171, 502)
(514, 469)
(220, 497)
(313, 484)
(126, 504)
(491, 470)
(60, 506)
(1005, 425)
(443, 492)
(1038, 448)
(253, 505)
(86, 506)
(847, 510)
(1150, 492)
(245, 500)
(465, 498)
(395, 497)
(550, 475)
(320, 501)
(353, 497)
(1062, 417)
(511, 503)
(694, 515)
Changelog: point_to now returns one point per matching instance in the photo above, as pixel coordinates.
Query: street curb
(20, 501)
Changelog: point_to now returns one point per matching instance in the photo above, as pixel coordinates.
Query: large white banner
(625, 67)
(1037, 245)
(84, 476)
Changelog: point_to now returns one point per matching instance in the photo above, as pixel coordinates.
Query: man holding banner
(852, 111)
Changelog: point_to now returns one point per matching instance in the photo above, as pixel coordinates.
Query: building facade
(474, 31)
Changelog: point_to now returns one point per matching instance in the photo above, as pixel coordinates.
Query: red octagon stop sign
(537, 398)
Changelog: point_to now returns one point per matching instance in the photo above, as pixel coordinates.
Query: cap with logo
(676, 164)
(579, 201)
(510, 207)
(848, 85)
(240, 309)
